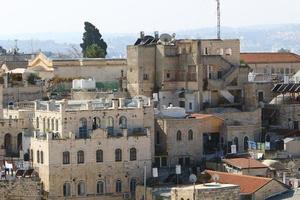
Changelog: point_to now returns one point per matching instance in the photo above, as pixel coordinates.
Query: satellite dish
(165, 38)
(193, 178)
(215, 178)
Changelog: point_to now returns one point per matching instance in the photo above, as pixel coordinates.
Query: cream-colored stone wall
(275, 68)
(193, 149)
(11, 131)
(271, 189)
(214, 48)
(54, 173)
(240, 125)
(251, 93)
(103, 70)
(16, 94)
(230, 192)
(138, 134)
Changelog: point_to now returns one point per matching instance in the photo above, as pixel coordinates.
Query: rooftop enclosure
(99, 104)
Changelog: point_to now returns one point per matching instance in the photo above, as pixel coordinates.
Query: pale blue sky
(124, 16)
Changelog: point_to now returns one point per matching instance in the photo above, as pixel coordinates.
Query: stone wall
(192, 148)
(251, 94)
(24, 188)
(271, 189)
(231, 192)
(17, 94)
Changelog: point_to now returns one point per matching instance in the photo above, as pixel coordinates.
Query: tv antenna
(218, 19)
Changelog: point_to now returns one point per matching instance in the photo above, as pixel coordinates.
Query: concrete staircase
(227, 95)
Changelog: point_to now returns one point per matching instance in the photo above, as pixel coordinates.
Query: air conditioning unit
(126, 195)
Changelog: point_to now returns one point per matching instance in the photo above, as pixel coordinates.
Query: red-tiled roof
(248, 184)
(268, 57)
(244, 163)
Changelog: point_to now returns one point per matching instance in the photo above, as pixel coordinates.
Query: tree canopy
(93, 46)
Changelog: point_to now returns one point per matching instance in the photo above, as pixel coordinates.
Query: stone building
(186, 141)
(245, 166)
(270, 65)
(185, 192)
(252, 187)
(1, 101)
(92, 149)
(102, 70)
(192, 74)
(11, 136)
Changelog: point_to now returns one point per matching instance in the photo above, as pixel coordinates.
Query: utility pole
(218, 19)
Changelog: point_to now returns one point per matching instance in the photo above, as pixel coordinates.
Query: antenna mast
(218, 19)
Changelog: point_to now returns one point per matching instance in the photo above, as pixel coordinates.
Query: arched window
(123, 122)
(19, 141)
(42, 157)
(31, 155)
(82, 128)
(246, 145)
(66, 189)
(66, 157)
(100, 187)
(96, 123)
(110, 125)
(132, 154)
(81, 188)
(44, 124)
(110, 122)
(52, 124)
(132, 185)
(236, 142)
(178, 136)
(56, 125)
(118, 155)
(99, 155)
(7, 142)
(38, 156)
(48, 124)
(37, 122)
(118, 186)
(190, 135)
(80, 157)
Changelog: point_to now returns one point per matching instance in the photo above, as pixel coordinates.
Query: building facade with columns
(92, 149)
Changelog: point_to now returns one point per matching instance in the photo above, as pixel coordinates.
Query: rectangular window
(260, 96)
(146, 77)
(191, 106)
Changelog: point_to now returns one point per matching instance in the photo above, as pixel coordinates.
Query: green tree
(92, 36)
(94, 51)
